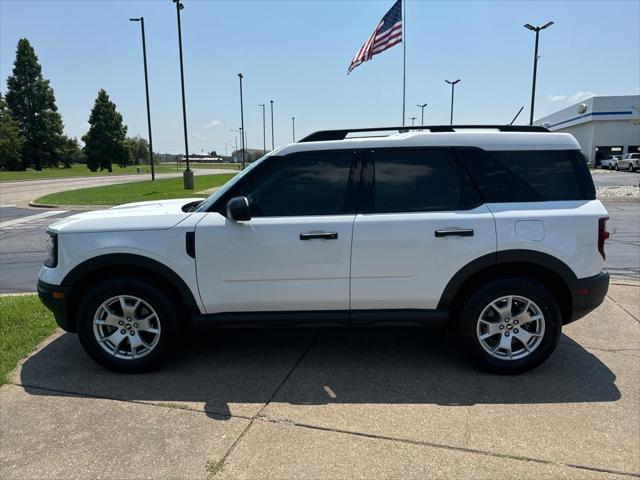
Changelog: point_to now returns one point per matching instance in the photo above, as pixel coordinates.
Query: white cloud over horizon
(570, 99)
(215, 123)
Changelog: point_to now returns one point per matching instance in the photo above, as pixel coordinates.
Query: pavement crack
(216, 467)
(630, 314)
(445, 447)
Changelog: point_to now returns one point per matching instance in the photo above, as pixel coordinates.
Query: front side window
(303, 184)
(418, 180)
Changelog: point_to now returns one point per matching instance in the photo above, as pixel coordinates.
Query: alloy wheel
(510, 327)
(126, 327)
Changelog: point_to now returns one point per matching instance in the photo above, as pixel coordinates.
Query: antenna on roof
(517, 114)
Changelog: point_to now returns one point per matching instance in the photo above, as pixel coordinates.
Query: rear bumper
(587, 294)
(56, 303)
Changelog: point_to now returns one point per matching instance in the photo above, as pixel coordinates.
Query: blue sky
(297, 53)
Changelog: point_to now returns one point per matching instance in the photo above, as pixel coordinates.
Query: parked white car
(629, 161)
(495, 230)
(609, 161)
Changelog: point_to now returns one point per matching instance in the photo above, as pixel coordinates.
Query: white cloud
(571, 99)
(215, 123)
(556, 98)
(198, 136)
(580, 96)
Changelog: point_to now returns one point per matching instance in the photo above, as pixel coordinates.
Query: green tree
(33, 106)
(11, 141)
(70, 152)
(104, 143)
(138, 150)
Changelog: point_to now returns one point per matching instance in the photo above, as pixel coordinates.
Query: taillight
(602, 235)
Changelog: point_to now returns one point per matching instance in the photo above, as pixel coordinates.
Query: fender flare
(499, 258)
(133, 260)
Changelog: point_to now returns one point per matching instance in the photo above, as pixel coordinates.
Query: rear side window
(529, 175)
(417, 180)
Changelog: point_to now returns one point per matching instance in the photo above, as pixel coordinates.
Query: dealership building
(601, 125)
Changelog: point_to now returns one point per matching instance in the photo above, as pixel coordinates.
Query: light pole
(413, 121)
(535, 65)
(273, 146)
(242, 134)
(422, 113)
(187, 175)
(453, 85)
(293, 126)
(146, 87)
(264, 130)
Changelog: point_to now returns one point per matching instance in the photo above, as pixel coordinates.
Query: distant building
(601, 125)
(196, 158)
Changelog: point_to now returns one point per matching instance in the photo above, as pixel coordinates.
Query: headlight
(52, 250)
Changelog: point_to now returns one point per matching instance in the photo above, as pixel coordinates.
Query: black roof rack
(324, 135)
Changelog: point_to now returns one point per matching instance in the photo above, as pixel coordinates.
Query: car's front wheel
(127, 324)
(511, 325)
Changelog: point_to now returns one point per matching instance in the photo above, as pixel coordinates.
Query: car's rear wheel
(127, 324)
(511, 325)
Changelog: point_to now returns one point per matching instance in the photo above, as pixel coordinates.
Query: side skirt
(324, 318)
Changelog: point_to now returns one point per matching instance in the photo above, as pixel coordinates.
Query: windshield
(211, 199)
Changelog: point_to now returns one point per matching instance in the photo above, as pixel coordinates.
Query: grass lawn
(195, 166)
(24, 322)
(80, 170)
(135, 191)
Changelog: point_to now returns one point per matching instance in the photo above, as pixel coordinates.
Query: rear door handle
(316, 235)
(454, 232)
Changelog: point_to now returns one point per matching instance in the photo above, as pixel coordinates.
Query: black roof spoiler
(324, 135)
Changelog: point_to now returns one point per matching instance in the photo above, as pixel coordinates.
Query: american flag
(387, 34)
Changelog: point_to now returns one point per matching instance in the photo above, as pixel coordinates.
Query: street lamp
(535, 65)
(264, 130)
(453, 85)
(422, 113)
(273, 146)
(293, 126)
(413, 120)
(187, 175)
(146, 86)
(240, 77)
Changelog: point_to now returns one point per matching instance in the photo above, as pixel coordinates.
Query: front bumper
(55, 298)
(587, 294)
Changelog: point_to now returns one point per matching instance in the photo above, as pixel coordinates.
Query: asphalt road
(23, 245)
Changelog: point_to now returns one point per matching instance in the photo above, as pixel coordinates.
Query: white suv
(495, 230)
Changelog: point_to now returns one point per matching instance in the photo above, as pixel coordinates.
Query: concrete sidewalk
(370, 403)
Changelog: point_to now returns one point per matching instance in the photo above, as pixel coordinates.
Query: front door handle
(316, 235)
(454, 232)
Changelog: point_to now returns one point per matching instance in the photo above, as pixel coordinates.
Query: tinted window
(418, 181)
(303, 184)
(529, 176)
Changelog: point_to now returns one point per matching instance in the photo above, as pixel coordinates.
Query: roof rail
(324, 135)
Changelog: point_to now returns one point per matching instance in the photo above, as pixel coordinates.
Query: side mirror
(238, 209)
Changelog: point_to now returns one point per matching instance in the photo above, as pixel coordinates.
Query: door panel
(399, 262)
(263, 265)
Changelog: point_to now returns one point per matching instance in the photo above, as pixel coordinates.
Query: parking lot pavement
(610, 178)
(333, 403)
(23, 246)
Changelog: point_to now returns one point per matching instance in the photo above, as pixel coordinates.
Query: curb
(69, 207)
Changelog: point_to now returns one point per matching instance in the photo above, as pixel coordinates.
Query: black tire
(519, 286)
(168, 318)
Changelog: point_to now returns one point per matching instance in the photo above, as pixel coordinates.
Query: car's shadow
(232, 371)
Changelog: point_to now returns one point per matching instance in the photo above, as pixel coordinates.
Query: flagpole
(404, 60)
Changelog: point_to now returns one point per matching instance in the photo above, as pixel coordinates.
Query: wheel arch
(84, 275)
(544, 268)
